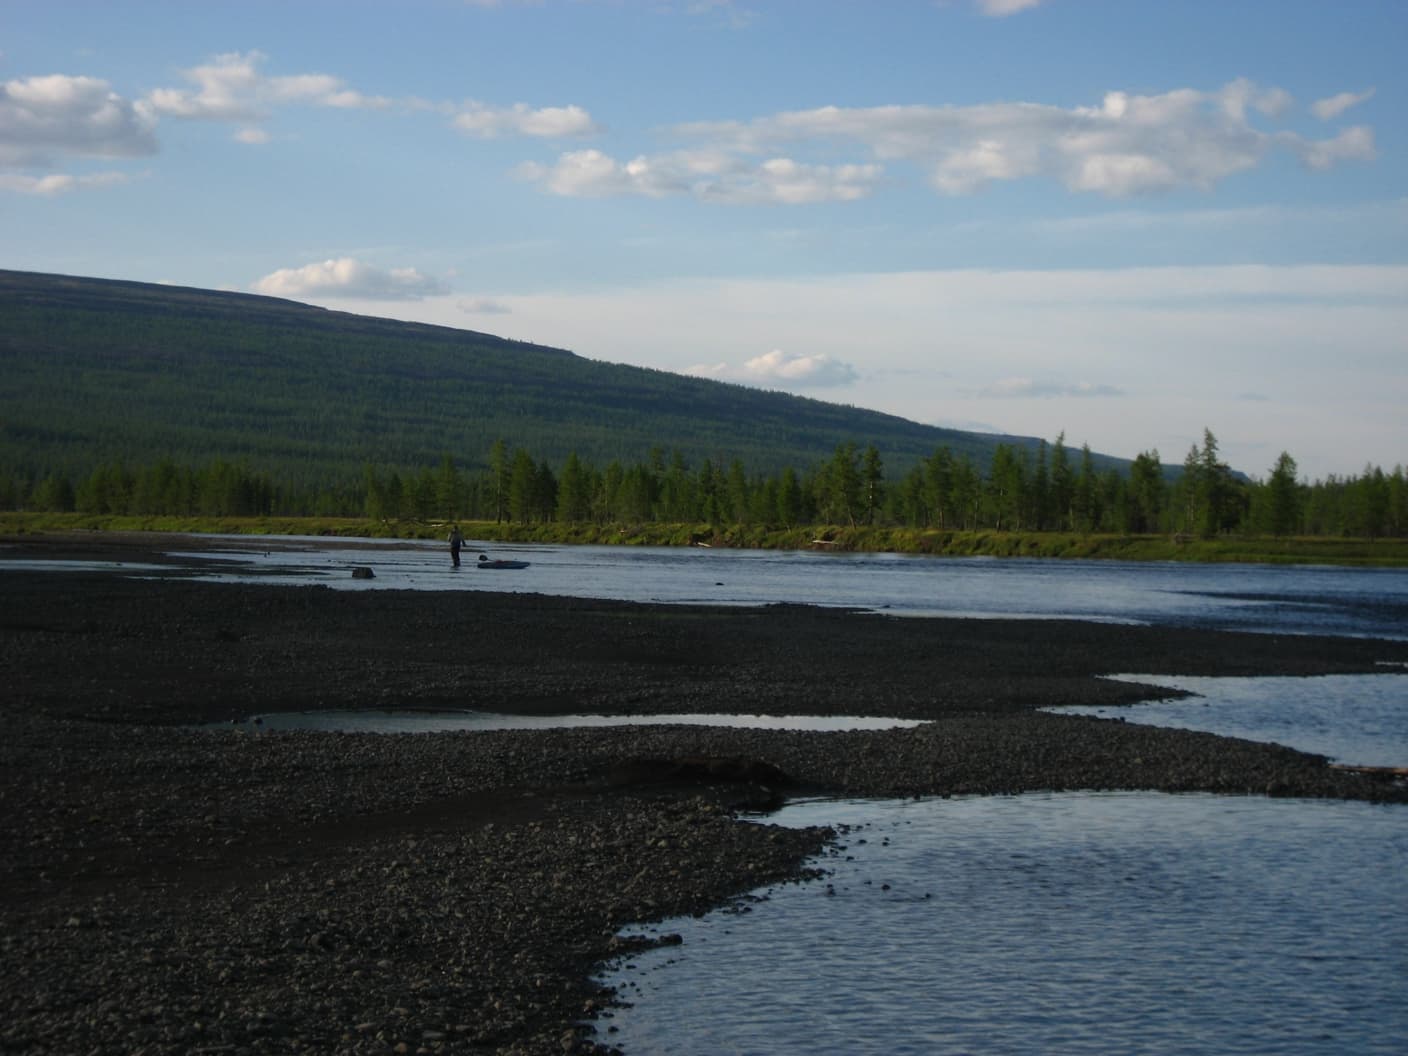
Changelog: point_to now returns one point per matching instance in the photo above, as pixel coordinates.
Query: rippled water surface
(1358, 719)
(1074, 924)
(1282, 599)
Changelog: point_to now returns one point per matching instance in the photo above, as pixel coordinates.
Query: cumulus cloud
(788, 370)
(1028, 388)
(592, 174)
(1127, 145)
(345, 278)
(43, 119)
(520, 119)
(708, 175)
(231, 87)
(1330, 108)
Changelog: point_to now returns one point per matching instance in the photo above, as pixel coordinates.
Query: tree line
(1049, 488)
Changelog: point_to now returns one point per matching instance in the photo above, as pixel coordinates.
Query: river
(1300, 599)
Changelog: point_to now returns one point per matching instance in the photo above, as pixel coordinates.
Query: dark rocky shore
(171, 889)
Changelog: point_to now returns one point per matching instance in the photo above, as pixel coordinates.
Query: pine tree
(1283, 497)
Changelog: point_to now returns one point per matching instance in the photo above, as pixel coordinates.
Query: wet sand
(175, 889)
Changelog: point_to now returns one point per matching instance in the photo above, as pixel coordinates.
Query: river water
(1072, 924)
(1077, 923)
(1301, 599)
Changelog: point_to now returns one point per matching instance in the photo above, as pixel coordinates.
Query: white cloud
(231, 87)
(816, 370)
(1332, 107)
(1027, 388)
(1353, 144)
(1127, 145)
(485, 121)
(43, 118)
(708, 175)
(786, 182)
(57, 183)
(349, 278)
(252, 135)
(1003, 8)
(789, 370)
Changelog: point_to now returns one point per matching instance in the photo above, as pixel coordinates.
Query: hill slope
(99, 369)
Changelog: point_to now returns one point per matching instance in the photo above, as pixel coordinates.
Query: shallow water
(1269, 598)
(1356, 719)
(448, 721)
(1078, 924)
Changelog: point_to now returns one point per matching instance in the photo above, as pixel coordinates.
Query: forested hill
(98, 370)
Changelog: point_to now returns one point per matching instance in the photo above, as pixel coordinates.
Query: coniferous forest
(1051, 489)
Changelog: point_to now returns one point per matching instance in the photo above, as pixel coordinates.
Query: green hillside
(100, 370)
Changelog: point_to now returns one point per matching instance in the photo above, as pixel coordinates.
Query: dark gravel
(169, 889)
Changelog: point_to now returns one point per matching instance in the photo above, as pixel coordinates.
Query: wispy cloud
(58, 182)
(1004, 8)
(1330, 108)
(733, 14)
(349, 278)
(482, 306)
(707, 175)
(232, 87)
(1028, 388)
(1128, 145)
(487, 121)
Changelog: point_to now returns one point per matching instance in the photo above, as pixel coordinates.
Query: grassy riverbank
(865, 539)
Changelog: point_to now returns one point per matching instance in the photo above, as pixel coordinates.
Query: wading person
(456, 541)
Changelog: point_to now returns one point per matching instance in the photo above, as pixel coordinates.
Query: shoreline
(172, 888)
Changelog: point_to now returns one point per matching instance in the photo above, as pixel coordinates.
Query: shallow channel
(1074, 923)
(1356, 719)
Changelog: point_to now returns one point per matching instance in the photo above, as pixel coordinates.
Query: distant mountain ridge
(102, 369)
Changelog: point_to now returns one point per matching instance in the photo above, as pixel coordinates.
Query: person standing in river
(456, 541)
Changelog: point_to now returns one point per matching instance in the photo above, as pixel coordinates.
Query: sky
(1121, 221)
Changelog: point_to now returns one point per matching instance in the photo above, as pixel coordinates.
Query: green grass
(1055, 545)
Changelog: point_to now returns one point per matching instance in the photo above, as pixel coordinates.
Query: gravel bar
(170, 888)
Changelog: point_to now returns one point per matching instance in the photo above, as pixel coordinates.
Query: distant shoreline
(1380, 553)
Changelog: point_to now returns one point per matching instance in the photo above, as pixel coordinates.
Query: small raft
(485, 562)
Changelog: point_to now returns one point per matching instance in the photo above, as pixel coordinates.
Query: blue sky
(1125, 221)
